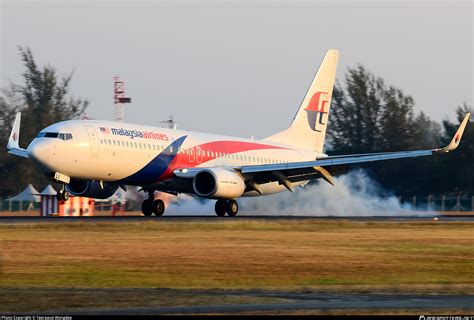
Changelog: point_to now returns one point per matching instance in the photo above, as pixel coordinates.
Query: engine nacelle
(91, 189)
(218, 183)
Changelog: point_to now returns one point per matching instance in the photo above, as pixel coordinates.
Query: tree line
(43, 99)
(367, 115)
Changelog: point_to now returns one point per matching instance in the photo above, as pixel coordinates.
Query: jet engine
(218, 183)
(91, 188)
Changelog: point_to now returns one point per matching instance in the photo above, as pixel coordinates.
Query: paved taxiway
(294, 302)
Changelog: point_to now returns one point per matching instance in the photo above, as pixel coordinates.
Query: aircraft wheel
(158, 207)
(221, 207)
(232, 208)
(147, 209)
(62, 195)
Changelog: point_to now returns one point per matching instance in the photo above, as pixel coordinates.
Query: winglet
(15, 134)
(457, 137)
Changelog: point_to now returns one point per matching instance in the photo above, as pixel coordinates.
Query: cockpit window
(51, 134)
(65, 136)
(62, 136)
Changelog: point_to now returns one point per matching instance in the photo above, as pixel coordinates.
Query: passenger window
(68, 136)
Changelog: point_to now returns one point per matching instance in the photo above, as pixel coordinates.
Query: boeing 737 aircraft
(94, 158)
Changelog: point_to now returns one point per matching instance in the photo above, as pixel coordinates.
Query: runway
(323, 302)
(209, 218)
(290, 301)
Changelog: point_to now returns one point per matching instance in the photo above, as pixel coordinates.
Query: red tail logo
(316, 101)
(317, 109)
(15, 137)
(457, 138)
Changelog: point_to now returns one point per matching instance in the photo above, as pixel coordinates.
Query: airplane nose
(39, 151)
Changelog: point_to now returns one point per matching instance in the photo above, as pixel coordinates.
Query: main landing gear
(151, 206)
(226, 206)
(62, 194)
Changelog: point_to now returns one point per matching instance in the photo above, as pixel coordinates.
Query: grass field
(348, 256)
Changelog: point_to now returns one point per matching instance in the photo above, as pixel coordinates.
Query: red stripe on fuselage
(183, 159)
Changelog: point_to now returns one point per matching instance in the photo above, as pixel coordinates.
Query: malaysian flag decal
(104, 130)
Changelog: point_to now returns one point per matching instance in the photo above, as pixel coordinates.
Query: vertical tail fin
(308, 128)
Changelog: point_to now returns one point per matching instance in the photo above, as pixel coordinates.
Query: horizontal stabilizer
(13, 146)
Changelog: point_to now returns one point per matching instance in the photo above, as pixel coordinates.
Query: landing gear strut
(226, 206)
(62, 194)
(151, 206)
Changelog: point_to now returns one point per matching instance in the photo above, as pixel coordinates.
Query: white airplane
(94, 158)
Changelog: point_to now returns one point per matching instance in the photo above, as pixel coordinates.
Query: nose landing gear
(62, 194)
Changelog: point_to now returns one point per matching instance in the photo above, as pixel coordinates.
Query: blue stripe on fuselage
(156, 167)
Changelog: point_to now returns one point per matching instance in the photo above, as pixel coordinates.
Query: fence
(440, 203)
(15, 206)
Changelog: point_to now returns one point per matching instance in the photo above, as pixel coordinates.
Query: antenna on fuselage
(170, 123)
(120, 99)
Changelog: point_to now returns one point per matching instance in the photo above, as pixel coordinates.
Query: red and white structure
(120, 99)
(75, 207)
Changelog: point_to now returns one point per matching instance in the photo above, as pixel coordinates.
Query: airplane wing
(12, 146)
(287, 173)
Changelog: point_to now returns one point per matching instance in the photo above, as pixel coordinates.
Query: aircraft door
(199, 155)
(191, 155)
(94, 140)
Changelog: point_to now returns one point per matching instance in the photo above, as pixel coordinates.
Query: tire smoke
(354, 194)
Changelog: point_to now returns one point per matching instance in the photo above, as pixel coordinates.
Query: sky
(240, 67)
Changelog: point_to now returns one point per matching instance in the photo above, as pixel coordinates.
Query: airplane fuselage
(140, 155)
